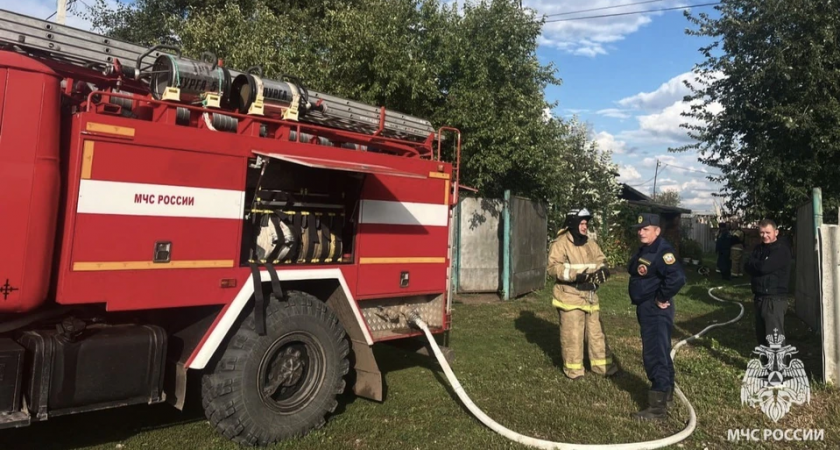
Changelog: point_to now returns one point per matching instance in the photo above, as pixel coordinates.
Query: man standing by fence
(723, 246)
(769, 266)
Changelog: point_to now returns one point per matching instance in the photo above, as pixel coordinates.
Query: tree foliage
(767, 103)
(669, 197)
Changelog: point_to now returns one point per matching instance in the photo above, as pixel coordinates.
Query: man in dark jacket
(769, 266)
(655, 279)
(723, 246)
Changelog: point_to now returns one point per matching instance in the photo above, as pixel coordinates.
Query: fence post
(506, 247)
(818, 213)
(830, 293)
(456, 247)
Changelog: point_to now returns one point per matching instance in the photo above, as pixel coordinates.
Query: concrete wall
(829, 245)
(480, 258)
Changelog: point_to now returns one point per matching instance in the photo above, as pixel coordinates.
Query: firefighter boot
(657, 407)
(670, 399)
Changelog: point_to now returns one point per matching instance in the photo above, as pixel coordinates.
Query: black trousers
(769, 316)
(724, 264)
(655, 325)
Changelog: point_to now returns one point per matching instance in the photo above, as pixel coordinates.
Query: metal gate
(528, 245)
(807, 291)
(500, 246)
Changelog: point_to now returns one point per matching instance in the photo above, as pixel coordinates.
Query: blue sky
(622, 75)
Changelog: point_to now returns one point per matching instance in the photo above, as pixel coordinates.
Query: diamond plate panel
(388, 317)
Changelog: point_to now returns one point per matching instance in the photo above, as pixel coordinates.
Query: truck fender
(368, 381)
(226, 318)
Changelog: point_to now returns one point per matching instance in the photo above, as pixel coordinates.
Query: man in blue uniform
(655, 278)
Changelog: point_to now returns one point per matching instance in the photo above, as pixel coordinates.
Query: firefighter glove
(600, 276)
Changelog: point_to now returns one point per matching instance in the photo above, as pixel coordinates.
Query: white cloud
(663, 159)
(606, 141)
(668, 92)
(663, 108)
(593, 36)
(614, 113)
(664, 127)
(628, 174)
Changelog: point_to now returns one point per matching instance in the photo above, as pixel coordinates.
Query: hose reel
(275, 240)
(253, 94)
(194, 82)
(298, 237)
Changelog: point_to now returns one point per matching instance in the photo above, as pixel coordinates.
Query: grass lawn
(508, 360)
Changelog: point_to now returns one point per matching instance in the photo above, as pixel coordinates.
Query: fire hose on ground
(543, 444)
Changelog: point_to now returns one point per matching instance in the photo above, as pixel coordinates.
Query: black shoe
(670, 399)
(657, 407)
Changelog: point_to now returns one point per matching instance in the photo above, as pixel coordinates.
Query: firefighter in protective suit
(579, 266)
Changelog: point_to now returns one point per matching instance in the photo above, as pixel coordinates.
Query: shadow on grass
(546, 335)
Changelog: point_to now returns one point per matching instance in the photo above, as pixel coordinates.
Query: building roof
(637, 198)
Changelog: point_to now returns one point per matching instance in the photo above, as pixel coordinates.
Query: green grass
(508, 360)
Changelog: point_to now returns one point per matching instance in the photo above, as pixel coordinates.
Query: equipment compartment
(97, 368)
(299, 215)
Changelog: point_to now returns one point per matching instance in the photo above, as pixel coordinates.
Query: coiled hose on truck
(543, 444)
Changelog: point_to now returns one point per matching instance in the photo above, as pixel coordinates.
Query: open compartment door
(336, 164)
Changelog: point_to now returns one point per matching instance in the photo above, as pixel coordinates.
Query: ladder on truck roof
(48, 40)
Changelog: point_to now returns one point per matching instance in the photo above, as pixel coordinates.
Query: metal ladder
(45, 39)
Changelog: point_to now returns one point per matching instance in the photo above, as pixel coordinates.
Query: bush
(689, 248)
(615, 249)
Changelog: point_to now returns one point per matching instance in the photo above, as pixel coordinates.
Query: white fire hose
(543, 444)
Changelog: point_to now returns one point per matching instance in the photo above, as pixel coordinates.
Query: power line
(638, 185)
(694, 170)
(602, 8)
(633, 12)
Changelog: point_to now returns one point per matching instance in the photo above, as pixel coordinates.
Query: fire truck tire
(263, 389)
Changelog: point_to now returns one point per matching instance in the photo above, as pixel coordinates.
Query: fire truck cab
(161, 215)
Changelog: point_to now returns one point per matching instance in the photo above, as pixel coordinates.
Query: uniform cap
(646, 219)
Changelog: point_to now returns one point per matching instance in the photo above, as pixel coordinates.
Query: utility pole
(61, 11)
(654, 179)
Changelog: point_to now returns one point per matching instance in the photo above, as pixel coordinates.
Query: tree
(669, 197)
(767, 103)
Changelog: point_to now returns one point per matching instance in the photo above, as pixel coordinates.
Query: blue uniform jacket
(655, 273)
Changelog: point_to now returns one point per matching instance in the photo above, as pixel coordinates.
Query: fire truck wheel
(262, 389)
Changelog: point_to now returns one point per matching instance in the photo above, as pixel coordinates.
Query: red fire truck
(161, 215)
